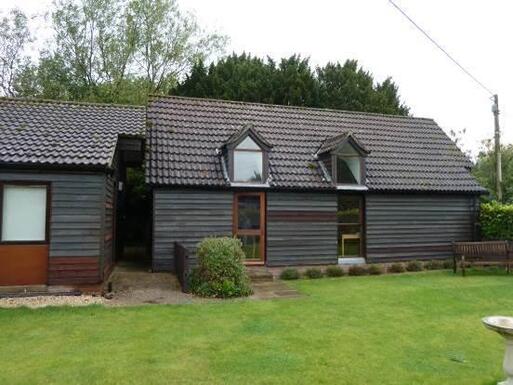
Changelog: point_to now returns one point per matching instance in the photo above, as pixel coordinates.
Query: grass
(421, 328)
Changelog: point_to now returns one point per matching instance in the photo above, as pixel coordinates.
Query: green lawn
(419, 328)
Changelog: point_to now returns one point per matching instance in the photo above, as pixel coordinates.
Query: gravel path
(43, 301)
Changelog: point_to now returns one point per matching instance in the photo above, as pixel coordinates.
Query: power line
(441, 48)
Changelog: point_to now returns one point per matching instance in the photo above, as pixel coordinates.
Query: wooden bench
(481, 253)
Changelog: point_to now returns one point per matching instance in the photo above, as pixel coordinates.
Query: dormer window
(343, 158)
(349, 166)
(247, 153)
(247, 162)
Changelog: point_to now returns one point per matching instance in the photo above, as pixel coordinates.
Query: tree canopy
(292, 82)
(108, 50)
(484, 170)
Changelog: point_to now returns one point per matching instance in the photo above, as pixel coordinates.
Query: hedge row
(496, 221)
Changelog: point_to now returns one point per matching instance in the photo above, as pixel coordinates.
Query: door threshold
(351, 261)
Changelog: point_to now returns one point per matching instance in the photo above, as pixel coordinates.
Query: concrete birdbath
(503, 326)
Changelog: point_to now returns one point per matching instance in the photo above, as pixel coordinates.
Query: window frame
(261, 232)
(260, 151)
(334, 169)
(265, 160)
(362, 225)
(48, 209)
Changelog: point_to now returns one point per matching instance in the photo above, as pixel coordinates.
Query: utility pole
(498, 162)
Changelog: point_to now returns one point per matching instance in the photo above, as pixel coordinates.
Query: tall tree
(292, 82)
(484, 170)
(14, 36)
(117, 50)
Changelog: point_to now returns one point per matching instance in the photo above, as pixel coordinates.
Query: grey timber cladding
(76, 211)
(417, 226)
(301, 228)
(187, 216)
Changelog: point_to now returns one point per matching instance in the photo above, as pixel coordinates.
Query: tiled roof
(46, 132)
(406, 153)
(330, 144)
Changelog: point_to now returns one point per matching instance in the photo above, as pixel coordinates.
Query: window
(24, 213)
(249, 224)
(350, 225)
(349, 165)
(248, 162)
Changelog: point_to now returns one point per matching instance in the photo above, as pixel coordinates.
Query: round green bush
(334, 271)
(313, 273)
(396, 268)
(414, 266)
(447, 264)
(356, 270)
(220, 271)
(289, 274)
(375, 270)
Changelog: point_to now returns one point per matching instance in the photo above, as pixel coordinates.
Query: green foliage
(356, 270)
(396, 268)
(14, 36)
(448, 264)
(375, 270)
(496, 221)
(313, 273)
(220, 271)
(334, 271)
(484, 170)
(414, 266)
(290, 274)
(116, 51)
(434, 265)
(292, 82)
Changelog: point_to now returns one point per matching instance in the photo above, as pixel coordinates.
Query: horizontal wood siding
(76, 212)
(108, 231)
(187, 216)
(416, 226)
(301, 228)
(74, 270)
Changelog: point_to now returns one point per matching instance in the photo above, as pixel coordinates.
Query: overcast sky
(478, 33)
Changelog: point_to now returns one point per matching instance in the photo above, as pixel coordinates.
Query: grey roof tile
(406, 153)
(51, 132)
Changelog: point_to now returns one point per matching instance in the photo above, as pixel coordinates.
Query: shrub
(375, 270)
(220, 271)
(414, 266)
(289, 274)
(357, 270)
(448, 264)
(433, 265)
(313, 273)
(396, 268)
(334, 271)
(496, 221)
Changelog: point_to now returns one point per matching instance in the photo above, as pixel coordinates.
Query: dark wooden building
(60, 164)
(303, 186)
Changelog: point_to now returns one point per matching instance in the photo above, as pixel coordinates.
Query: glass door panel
(249, 224)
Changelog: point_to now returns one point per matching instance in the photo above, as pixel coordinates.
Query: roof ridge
(31, 100)
(301, 108)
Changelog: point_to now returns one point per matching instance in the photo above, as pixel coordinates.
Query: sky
(477, 33)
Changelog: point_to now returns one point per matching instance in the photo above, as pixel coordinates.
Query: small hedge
(313, 273)
(334, 271)
(496, 221)
(220, 271)
(396, 268)
(434, 265)
(375, 270)
(290, 274)
(356, 270)
(414, 266)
